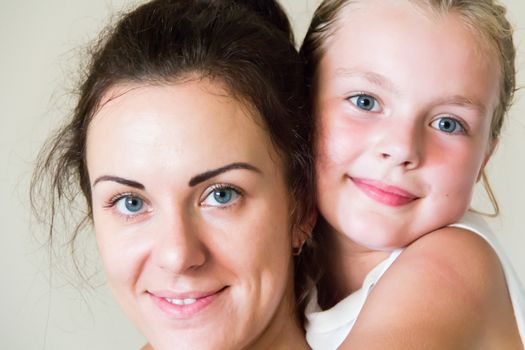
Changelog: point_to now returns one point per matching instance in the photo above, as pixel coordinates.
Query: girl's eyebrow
(384, 82)
(372, 77)
(462, 101)
(214, 172)
(120, 180)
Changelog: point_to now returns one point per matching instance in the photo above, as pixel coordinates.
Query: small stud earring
(296, 251)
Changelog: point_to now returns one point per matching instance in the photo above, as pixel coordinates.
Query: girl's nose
(401, 145)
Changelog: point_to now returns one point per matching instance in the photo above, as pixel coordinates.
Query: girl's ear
(490, 150)
(303, 231)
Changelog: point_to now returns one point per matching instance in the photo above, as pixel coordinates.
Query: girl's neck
(346, 265)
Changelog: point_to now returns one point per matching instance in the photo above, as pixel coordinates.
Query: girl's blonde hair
(488, 18)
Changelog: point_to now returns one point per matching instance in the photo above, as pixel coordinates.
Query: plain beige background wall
(39, 46)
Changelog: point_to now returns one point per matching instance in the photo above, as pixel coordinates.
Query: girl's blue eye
(448, 125)
(365, 102)
(221, 196)
(130, 204)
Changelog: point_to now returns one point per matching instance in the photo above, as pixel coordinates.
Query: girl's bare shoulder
(446, 290)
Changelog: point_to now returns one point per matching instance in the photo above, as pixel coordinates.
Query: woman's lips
(385, 194)
(184, 305)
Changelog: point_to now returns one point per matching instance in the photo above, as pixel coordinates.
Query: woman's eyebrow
(120, 180)
(211, 173)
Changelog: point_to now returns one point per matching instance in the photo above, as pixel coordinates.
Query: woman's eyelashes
(132, 205)
(365, 102)
(221, 196)
(449, 125)
(128, 205)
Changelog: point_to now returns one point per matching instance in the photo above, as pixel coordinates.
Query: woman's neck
(284, 331)
(288, 338)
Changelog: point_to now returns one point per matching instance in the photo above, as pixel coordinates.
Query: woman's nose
(179, 247)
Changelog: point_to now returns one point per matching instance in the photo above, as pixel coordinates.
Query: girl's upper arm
(439, 294)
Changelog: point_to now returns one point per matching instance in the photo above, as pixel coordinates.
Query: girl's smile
(383, 193)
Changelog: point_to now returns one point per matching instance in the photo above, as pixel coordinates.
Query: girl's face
(404, 105)
(191, 212)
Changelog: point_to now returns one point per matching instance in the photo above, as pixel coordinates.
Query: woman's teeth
(187, 301)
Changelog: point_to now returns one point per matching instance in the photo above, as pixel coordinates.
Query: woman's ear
(303, 230)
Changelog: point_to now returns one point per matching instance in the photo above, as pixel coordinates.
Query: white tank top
(326, 330)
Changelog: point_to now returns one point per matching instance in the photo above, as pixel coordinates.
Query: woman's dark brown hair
(248, 46)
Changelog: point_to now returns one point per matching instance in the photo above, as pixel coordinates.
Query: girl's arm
(447, 290)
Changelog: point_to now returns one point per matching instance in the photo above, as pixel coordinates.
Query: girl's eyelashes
(448, 125)
(365, 102)
(221, 196)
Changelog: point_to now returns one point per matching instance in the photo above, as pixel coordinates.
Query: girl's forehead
(414, 53)
(473, 19)
(356, 16)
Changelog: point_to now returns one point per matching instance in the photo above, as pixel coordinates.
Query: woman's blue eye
(221, 197)
(130, 204)
(448, 125)
(365, 102)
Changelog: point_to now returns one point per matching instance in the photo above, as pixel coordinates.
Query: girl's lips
(385, 194)
(184, 305)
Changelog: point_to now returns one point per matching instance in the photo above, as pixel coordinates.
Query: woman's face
(191, 213)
